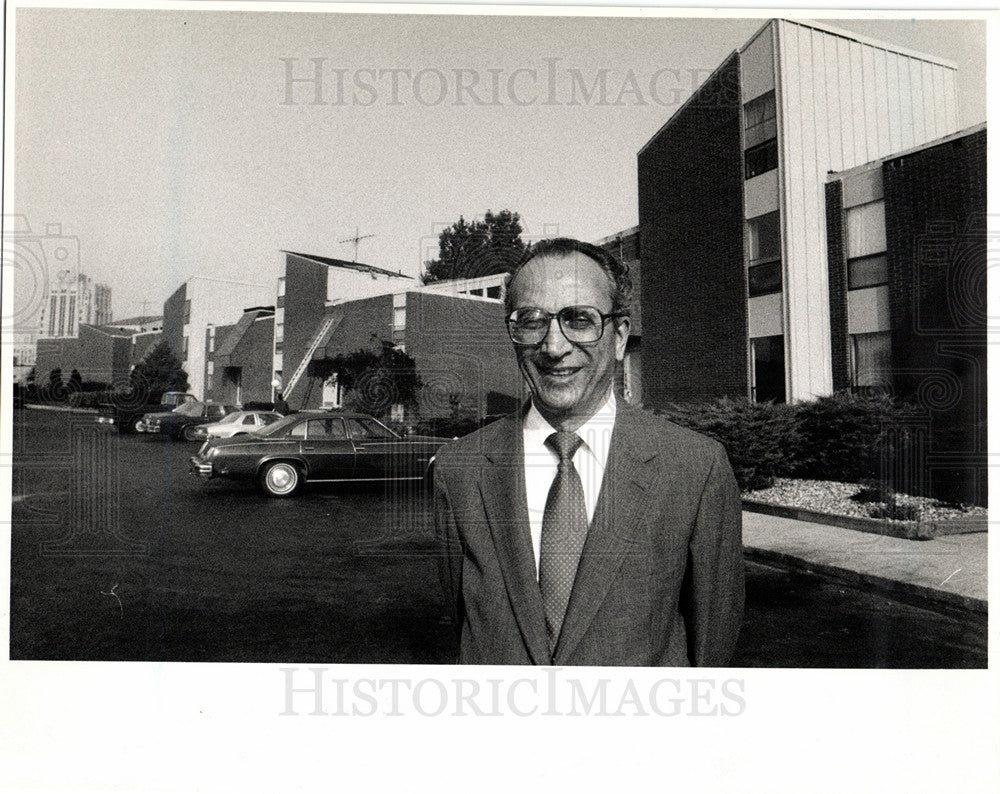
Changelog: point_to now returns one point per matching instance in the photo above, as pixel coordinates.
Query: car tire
(135, 426)
(189, 433)
(280, 479)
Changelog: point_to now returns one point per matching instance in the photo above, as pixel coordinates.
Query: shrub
(895, 510)
(762, 439)
(844, 437)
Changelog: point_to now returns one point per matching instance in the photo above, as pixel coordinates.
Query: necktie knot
(565, 444)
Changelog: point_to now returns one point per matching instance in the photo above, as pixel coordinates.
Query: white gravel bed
(828, 496)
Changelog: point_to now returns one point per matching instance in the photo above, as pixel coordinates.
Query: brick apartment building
(194, 306)
(906, 238)
(103, 354)
(732, 214)
(454, 331)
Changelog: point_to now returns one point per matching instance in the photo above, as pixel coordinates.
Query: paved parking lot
(119, 553)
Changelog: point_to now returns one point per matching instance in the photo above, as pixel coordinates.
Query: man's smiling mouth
(560, 372)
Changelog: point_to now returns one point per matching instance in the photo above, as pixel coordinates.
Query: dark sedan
(181, 422)
(318, 447)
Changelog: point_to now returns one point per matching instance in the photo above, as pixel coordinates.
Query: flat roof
(835, 175)
(361, 267)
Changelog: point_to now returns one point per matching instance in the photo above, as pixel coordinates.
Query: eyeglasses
(579, 324)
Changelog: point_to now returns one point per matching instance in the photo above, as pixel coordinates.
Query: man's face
(569, 381)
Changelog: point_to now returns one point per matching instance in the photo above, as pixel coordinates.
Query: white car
(236, 423)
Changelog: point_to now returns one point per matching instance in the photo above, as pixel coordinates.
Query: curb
(891, 587)
(908, 530)
(61, 409)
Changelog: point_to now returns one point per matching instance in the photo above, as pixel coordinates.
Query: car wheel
(136, 426)
(189, 433)
(280, 479)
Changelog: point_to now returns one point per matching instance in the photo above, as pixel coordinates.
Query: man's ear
(622, 327)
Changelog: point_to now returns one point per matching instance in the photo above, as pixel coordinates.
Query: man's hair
(617, 272)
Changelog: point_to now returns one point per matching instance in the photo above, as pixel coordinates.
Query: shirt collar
(595, 432)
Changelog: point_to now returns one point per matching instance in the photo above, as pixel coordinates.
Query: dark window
(187, 311)
(759, 120)
(768, 361)
(761, 158)
(764, 238)
(871, 360)
(764, 279)
(867, 271)
(493, 292)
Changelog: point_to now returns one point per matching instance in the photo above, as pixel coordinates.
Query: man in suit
(580, 530)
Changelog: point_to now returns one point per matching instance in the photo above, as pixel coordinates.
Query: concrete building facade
(73, 299)
(732, 212)
(194, 306)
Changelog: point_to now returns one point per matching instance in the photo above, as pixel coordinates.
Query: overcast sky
(164, 142)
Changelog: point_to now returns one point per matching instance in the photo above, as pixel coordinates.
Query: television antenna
(357, 238)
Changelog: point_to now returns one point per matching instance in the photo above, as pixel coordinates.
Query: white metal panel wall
(841, 103)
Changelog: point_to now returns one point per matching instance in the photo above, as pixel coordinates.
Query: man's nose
(555, 343)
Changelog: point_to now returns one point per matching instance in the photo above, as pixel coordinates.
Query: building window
(764, 279)
(761, 158)
(759, 120)
(764, 254)
(866, 260)
(493, 292)
(211, 339)
(399, 319)
(187, 311)
(867, 271)
(184, 351)
(767, 369)
(333, 393)
(870, 360)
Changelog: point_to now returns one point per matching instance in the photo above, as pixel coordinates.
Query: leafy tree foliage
(160, 371)
(481, 248)
(373, 382)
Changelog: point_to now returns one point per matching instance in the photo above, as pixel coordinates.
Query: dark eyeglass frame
(562, 329)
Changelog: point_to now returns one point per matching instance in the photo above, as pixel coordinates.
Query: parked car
(182, 421)
(322, 446)
(235, 424)
(125, 415)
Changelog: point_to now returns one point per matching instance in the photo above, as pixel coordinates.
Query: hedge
(844, 437)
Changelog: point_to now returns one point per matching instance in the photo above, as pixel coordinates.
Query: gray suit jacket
(660, 581)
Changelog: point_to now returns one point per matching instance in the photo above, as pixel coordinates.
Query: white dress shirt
(541, 463)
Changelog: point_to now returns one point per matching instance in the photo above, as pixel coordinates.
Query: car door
(380, 454)
(325, 447)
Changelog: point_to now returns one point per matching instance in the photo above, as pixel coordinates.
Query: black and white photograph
(370, 371)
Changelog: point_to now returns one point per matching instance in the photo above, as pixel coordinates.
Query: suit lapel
(505, 503)
(616, 524)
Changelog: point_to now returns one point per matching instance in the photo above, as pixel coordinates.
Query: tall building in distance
(73, 300)
(732, 209)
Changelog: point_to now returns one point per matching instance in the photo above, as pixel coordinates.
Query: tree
(481, 248)
(55, 390)
(160, 371)
(373, 382)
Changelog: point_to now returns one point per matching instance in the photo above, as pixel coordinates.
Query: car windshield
(189, 409)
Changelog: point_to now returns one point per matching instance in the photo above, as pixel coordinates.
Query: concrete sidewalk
(949, 570)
